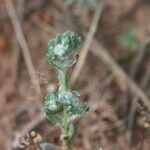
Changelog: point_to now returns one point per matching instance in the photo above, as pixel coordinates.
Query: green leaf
(83, 109)
(55, 119)
(129, 40)
(136, 46)
(73, 130)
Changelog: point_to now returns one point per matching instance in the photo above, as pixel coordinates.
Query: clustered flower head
(57, 101)
(60, 48)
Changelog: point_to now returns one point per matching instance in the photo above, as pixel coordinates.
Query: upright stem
(66, 144)
(64, 86)
(63, 80)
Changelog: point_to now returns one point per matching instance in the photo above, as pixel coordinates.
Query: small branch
(15, 64)
(21, 9)
(17, 54)
(137, 62)
(146, 77)
(87, 44)
(130, 121)
(104, 56)
(23, 45)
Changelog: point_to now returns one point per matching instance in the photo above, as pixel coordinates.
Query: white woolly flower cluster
(59, 50)
(71, 102)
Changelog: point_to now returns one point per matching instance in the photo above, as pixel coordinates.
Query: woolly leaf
(52, 104)
(55, 119)
(71, 103)
(83, 109)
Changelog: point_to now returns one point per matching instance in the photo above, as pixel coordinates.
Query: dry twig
(15, 64)
(17, 53)
(146, 77)
(23, 45)
(130, 122)
(87, 44)
(104, 56)
(137, 62)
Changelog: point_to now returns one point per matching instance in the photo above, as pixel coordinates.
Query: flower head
(60, 48)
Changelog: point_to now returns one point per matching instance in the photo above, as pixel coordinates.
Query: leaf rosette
(60, 49)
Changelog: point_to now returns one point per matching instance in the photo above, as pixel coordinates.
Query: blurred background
(112, 75)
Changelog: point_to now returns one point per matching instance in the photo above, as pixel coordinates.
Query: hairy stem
(64, 86)
(66, 143)
(63, 80)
